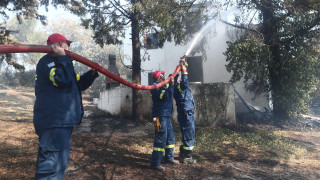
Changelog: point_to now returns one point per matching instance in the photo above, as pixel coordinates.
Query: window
(151, 41)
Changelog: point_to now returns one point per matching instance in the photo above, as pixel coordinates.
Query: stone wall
(214, 101)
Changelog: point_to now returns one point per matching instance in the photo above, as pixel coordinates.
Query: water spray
(198, 37)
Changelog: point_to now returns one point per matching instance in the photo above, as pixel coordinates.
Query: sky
(54, 13)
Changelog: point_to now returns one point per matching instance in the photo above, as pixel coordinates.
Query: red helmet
(156, 74)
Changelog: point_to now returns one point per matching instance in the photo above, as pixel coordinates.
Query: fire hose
(23, 48)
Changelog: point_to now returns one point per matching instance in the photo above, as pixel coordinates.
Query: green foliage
(26, 9)
(26, 33)
(248, 59)
(6, 39)
(26, 78)
(8, 78)
(280, 55)
(23, 78)
(109, 19)
(176, 20)
(23, 30)
(98, 86)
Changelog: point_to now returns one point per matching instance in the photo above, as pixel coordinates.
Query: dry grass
(115, 148)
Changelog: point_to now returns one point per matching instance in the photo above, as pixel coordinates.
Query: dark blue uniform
(185, 108)
(57, 109)
(164, 140)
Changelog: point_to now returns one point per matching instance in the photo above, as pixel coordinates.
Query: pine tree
(279, 54)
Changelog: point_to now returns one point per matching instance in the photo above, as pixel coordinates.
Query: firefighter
(58, 107)
(161, 111)
(185, 109)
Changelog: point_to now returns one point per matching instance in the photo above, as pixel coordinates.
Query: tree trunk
(269, 31)
(136, 69)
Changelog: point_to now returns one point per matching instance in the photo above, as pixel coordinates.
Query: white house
(214, 70)
(166, 59)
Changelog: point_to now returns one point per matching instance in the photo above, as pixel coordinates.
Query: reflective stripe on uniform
(51, 76)
(162, 92)
(169, 146)
(179, 88)
(188, 148)
(158, 149)
(36, 77)
(78, 77)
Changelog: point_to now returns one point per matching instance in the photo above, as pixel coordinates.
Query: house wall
(167, 58)
(214, 103)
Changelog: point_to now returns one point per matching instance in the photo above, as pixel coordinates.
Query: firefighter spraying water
(185, 109)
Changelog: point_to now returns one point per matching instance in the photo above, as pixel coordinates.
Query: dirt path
(106, 147)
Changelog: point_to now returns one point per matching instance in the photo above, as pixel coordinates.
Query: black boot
(158, 168)
(189, 160)
(187, 157)
(172, 162)
(181, 153)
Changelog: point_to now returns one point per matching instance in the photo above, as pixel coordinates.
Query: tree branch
(303, 31)
(13, 63)
(116, 5)
(240, 27)
(258, 4)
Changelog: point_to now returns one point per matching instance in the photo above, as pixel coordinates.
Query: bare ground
(106, 147)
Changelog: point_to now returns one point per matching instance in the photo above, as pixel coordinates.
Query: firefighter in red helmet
(161, 111)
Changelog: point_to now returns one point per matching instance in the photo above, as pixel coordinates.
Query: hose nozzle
(184, 57)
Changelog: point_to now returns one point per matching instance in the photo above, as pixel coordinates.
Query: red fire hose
(23, 48)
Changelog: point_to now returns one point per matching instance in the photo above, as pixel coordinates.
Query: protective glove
(184, 61)
(156, 124)
(171, 80)
(184, 70)
(176, 78)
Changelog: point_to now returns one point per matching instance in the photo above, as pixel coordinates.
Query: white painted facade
(214, 70)
(167, 58)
